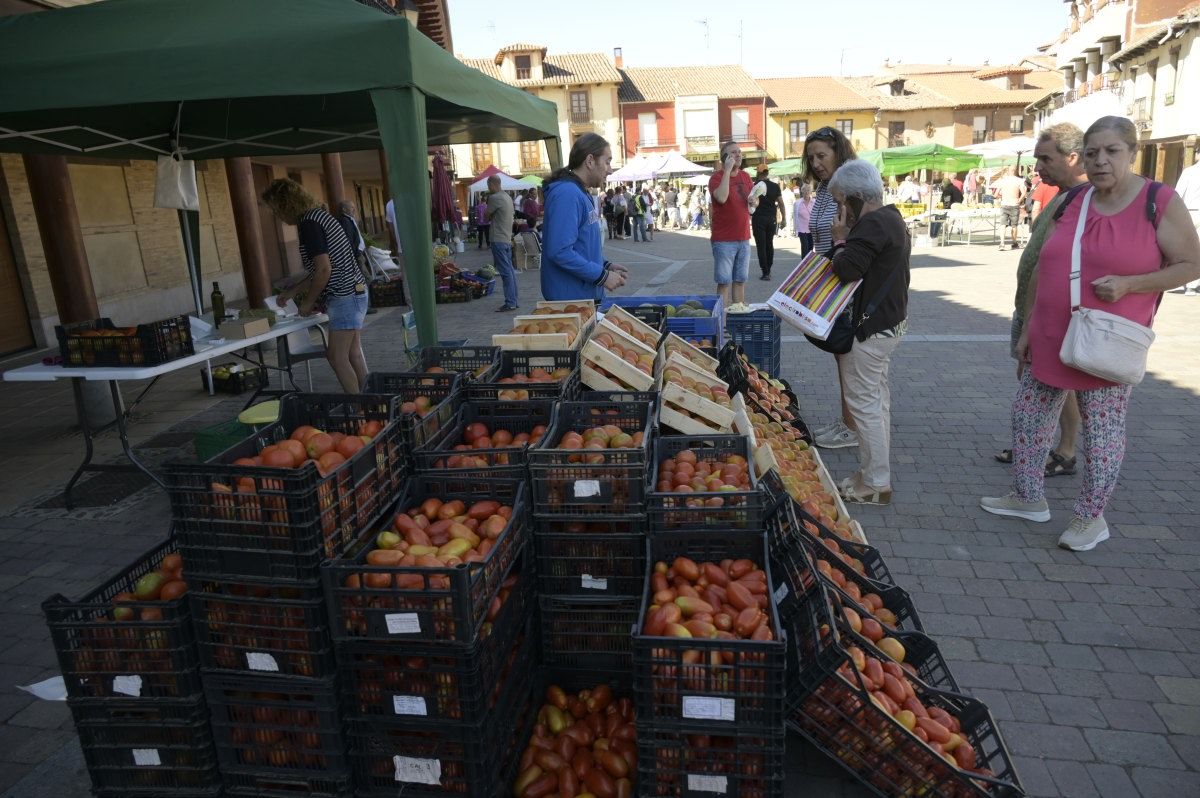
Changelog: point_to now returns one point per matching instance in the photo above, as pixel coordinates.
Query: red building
(692, 110)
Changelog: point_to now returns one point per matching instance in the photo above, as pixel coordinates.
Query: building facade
(799, 106)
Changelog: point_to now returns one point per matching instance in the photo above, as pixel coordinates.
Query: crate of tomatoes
(488, 439)
(593, 557)
(708, 647)
(426, 403)
(530, 374)
(691, 765)
(435, 574)
(101, 343)
(294, 493)
(705, 481)
(130, 638)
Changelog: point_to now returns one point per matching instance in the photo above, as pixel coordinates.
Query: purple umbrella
(442, 194)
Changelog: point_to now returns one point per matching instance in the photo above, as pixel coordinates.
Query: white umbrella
(698, 180)
(507, 183)
(636, 168)
(675, 164)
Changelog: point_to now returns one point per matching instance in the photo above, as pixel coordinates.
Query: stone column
(240, 177)
(62, 238)
(387, 195)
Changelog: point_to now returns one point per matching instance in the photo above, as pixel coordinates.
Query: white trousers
(864, 371)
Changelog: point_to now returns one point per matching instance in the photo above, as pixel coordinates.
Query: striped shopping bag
(812, 296)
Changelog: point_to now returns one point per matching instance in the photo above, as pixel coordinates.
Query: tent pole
(402, 129)
(189, 229)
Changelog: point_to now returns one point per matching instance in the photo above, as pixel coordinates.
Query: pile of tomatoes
(327, 450)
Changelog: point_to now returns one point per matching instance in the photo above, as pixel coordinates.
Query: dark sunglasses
(826, 133)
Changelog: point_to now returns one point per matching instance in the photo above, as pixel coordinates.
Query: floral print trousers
(1035, 418)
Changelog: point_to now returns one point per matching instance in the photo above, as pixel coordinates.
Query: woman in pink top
(1127, 261)
(801, 212)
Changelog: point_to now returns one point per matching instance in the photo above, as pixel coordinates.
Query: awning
(902, 160)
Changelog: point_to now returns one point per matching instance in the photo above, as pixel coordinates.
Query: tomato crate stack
(589, 502)
(709, 667)
(425, 403)
(131, 672)
(488, 438)
(435, 640)
(530, 374)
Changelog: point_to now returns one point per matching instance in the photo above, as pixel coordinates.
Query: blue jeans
(731, 261)
(639, 224)
(347, 312)
(502, 260)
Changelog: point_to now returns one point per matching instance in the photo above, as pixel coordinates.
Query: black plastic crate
(435, 684)
(473, 362)
(387, 293)
(589, 395)
(587, 633)
(675, 763)
(280, 523)
(712, 509)
(271, 730)
(367, 602)
(794, 523)
(254, 626)
(515, 364)
(758, 333)
(479, 761)
(850, 588)
(148, 748)
(527, 417)
(254, 783)
(103, 658)
(709, 684)
(583, 482)
(249, 378)
(443, 392)
(590, 558)
(830, 706)
(789, 416)
(85, 344)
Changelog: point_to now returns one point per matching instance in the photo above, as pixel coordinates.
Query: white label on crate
(586, 488)
(717, 784)
(703, 707)
(589, 582)
(781, 592)
(418, 771)
(402, 623)
(146, 756)
(128, 685)
(257, 661)
(409, 705)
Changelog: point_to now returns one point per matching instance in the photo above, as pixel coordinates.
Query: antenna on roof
(704, 22)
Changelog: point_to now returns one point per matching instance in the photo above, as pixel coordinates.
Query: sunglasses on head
(826, 133)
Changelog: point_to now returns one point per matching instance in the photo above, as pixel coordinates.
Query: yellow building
(582, 85)
(798, 106)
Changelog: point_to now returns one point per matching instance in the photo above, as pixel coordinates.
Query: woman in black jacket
(871, 243)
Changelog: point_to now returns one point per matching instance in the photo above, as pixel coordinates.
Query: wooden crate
(694, 355)
(557, 304)
(690, 369)
(670, 417)
(830, 486)
(618, 314)
(625, 338)
(628, 377)
(741, 421)
(527, 341)
(718, 418)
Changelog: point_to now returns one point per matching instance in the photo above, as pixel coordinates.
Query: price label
(703, 707)
(402, 623)
(586, 488)
(146, 757)
(418, 771)
(714, 784)
(589, 582)
(257, 661)
(409, 705)
(128, 685)
(781, 592)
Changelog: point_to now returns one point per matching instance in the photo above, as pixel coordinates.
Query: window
(845, 127)
(524, 68)
(1016, 124)
(797, 132)
(648, 129)
(1172, 79)
(979, 130)
(531, 156)
(580, 111)
(739, 124)
(895, 134)
(481, 157)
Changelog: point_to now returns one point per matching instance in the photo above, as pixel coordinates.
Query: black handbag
(844, 330)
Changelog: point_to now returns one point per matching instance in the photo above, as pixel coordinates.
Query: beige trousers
(864, 372)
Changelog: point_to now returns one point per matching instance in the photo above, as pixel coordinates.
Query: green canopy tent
(531, 180)
(230, 78)
(902, 160)
(785, 168)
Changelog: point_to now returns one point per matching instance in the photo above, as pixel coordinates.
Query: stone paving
(1088, 661)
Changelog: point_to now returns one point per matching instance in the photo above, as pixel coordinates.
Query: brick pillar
(335, 184)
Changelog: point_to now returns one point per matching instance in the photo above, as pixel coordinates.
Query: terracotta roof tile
(964, 91)
(558, 70)
(999, 71)
(664, 84)
(917, 96)
(809, 94)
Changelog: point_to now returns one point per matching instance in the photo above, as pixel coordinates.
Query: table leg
(208, 376)
(119, 407)
(86, 427)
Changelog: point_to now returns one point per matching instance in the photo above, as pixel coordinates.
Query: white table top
(205, 351)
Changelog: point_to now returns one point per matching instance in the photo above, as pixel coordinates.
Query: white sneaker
(1084, 534)
(827, 427)
(837, 436)
(1012, 506)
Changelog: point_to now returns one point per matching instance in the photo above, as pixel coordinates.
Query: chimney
(618, 58)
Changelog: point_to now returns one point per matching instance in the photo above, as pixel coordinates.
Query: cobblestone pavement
(1088, 661)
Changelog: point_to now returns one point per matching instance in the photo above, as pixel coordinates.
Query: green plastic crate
(211, 441)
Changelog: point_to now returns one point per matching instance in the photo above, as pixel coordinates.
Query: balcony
(581, 117)
(701, 144)
(979, 136)
(524, 73)
(748, 141)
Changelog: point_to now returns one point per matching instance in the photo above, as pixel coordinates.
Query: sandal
(866, 495)
(1059, 466)
(1005, 456)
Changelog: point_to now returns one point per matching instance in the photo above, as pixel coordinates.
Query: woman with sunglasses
(826, 149)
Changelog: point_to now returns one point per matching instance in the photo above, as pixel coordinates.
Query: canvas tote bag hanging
(1099, 343)
(175, 183)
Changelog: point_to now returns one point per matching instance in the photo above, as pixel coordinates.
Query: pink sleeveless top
(1123, 244)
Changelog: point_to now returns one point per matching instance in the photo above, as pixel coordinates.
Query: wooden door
(272, 242)
(15, 333)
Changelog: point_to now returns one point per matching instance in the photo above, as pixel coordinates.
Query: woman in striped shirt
(334, 278)
(825, 149)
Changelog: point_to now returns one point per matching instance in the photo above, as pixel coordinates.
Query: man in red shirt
(1042, 193)
(731, 205)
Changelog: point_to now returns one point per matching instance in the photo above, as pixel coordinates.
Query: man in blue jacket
(573, 264)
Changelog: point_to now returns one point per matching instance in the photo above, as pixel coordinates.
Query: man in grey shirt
(500, 216)
(672, 202)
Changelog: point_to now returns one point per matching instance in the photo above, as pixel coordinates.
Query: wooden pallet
(694, 355)
(628, 377)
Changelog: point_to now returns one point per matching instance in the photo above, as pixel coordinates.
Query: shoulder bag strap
(879, 295)
(1076, 249)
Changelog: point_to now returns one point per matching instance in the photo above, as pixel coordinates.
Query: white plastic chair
(383, 264)
(301, 347)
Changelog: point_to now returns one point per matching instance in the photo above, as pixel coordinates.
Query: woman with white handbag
(1114, 246)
